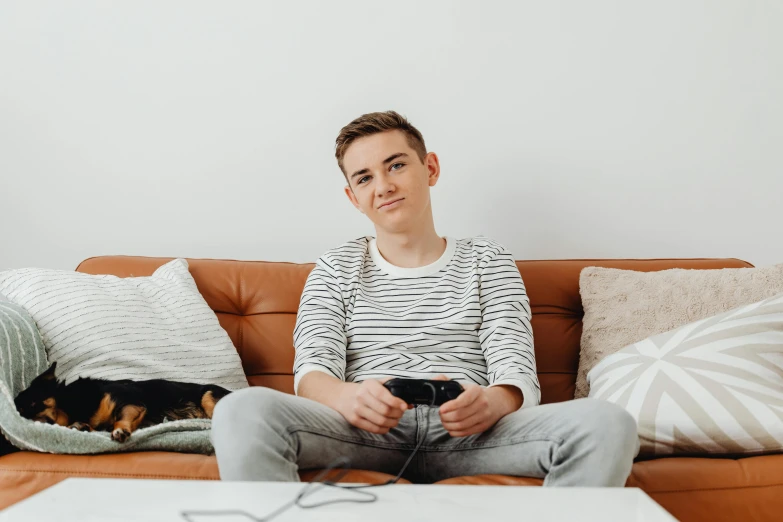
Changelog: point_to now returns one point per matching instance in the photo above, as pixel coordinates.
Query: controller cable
(342, 463)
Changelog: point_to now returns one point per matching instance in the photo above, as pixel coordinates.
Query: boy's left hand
(477, 408)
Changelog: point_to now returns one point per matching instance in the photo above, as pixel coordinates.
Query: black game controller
(417, 391)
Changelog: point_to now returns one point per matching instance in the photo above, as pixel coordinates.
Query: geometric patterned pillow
(714, 386)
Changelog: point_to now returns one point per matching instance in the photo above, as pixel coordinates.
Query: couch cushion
(492, 480)
(711, 489)
(714, 489)
(256, 303)
(674, 474)
(690, 474)
(24, 473)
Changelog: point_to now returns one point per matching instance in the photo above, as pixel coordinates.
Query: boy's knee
(254, 406)
(610, 425)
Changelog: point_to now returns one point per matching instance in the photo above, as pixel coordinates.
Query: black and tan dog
(120, 407)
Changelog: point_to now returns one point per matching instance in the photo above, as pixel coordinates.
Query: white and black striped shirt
(466, 315)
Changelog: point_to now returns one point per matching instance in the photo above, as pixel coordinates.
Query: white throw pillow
(711, 386)
(107, 327)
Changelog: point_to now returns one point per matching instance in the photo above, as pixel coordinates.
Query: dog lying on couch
(119, 407)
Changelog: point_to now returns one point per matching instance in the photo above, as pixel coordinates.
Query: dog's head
(39, 401)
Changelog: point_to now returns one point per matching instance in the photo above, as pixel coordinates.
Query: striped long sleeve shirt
(467, 316)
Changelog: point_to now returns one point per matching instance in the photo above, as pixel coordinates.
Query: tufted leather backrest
(256, 303)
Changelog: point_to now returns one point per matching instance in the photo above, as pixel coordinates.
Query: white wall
(565, 129)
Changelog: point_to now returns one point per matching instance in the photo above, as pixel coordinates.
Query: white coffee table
(110, 500)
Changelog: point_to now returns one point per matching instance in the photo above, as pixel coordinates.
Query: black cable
(317, 484)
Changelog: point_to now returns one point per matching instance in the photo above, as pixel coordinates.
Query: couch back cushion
(256, 303)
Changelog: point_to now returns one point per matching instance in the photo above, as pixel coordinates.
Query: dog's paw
(120, 435)
(81, 426)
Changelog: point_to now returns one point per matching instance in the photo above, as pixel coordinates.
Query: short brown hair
(373, 123)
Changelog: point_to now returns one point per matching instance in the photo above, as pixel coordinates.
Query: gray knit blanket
(23, 358)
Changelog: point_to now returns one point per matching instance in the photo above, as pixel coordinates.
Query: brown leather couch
(256, 303)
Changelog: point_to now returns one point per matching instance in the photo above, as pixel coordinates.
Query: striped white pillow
(107, 327)
(711, 386)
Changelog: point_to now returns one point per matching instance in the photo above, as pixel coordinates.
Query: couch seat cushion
(714, 489)
(674, 474)
(690, 474)
(492, 480)
(25, 473)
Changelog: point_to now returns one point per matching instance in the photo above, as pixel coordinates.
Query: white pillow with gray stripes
(107, 327)
(714, 386)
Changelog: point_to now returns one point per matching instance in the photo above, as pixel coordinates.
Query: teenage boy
(410, 303)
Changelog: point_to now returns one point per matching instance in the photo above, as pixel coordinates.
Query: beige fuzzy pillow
(623, 307)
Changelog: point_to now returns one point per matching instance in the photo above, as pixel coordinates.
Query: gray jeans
(262, 434)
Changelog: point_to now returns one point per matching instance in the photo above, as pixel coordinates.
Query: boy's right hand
(370, 406)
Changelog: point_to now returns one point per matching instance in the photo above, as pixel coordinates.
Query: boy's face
(388, 183)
